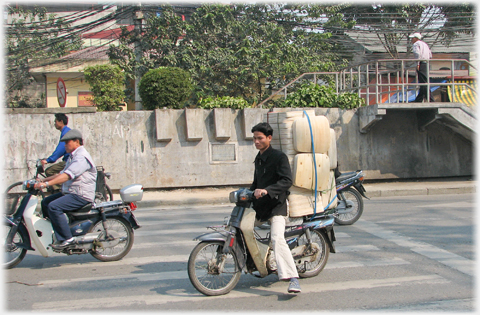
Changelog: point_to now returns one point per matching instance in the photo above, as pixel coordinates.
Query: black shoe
(63, 244)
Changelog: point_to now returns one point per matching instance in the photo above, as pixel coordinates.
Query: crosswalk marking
(275, 289)
(131, 260)
(178, 238)
(447, 258)
(173, 275)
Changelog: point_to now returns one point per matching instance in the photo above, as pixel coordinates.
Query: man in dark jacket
(271, 181)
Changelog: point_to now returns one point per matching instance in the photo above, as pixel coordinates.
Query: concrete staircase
(456, 116)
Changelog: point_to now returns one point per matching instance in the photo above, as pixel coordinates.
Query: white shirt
(83, 174)
(421, 50)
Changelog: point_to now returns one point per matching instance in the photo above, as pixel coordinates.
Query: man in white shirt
(421, 51)
(78, 180)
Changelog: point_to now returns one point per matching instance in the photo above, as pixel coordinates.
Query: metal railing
(387, 77)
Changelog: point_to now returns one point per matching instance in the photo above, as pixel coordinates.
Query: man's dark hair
(62, 117)
(264, 128)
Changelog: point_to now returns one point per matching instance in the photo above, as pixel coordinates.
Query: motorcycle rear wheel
(352, 196)
(123, 230)
(204, 273)
(13, 254)
(313, 268)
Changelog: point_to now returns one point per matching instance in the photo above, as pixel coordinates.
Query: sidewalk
(209, 195)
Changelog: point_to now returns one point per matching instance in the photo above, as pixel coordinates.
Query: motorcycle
(103, 230)
(350, 191)
(215, 264)
(14, 192)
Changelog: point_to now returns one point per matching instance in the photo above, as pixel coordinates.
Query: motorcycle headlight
(233, 197)
(28, 184)
(241, 195)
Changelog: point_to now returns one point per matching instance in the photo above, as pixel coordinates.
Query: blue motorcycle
(350, 191)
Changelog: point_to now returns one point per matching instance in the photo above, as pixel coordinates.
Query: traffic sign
(61, 92)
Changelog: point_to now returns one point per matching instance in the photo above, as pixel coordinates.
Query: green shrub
(314, 95)
(106, 83)
(223, 102)
(165, 87)
(349, 101)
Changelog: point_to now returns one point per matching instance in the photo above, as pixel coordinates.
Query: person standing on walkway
(271, 181)
(421, 51)
(60, 122)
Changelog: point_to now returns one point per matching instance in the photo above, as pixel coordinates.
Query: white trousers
(285, 265)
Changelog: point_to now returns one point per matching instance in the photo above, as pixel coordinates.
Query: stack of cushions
(291, 134)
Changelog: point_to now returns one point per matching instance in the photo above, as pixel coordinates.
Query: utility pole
(137, 22)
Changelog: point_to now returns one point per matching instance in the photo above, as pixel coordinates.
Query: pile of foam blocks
(292, 134)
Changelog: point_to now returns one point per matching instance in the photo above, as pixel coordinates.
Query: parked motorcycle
(350, 191)
(103, 230)
(215, 264)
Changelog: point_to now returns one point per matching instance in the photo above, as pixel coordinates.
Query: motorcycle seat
(83, 210)
(345, 176)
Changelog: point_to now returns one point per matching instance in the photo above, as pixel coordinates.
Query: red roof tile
(108, 34)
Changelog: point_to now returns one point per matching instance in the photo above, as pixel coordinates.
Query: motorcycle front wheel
(354, 210)
(117, 248)
(310, 266)
(13, 254)
(12, 197)
(211, 271)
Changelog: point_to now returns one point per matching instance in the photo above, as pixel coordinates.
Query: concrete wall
(190, 148)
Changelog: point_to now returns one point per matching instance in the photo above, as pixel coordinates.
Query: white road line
(158, 276)
(200, 230)
(131, 260)
(462, 204)
(276, 289)
(447, 258)
(124, 261)
(368, 263)
(182, 274)
(355, 248)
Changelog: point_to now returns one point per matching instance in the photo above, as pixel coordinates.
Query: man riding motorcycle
(272, 179)
(78, 180)
(60, 122)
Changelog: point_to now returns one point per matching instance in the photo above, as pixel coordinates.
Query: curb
(208, 196)
(467, 189)
(184, 202)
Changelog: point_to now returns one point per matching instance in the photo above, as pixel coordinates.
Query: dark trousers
(55, 169)
(55, 206)
(422, 78)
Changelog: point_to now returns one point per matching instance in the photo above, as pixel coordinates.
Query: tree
(231, 50)
(32, 38)
(394, 22)
(106, 83)
(158, 44)
(165, 87)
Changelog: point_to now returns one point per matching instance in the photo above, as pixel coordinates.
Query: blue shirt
(60, 149)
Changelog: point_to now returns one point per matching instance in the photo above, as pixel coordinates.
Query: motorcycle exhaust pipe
(87, 238)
